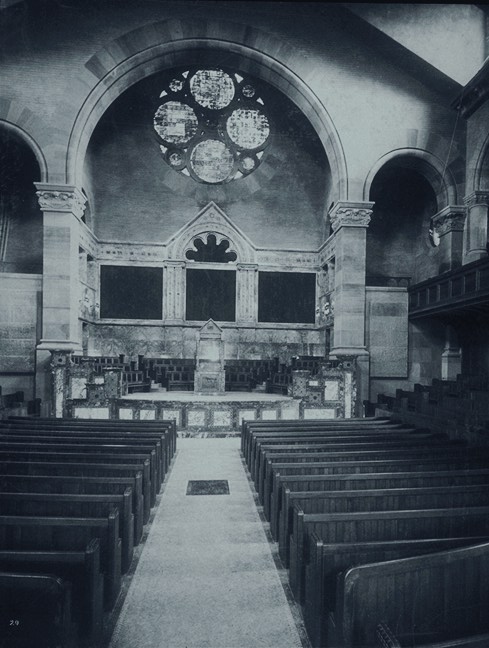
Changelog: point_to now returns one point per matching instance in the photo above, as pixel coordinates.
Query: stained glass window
(213, 125)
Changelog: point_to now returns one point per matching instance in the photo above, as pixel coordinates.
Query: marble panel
(168, 414)
(247, 415)
(331, 390)
(269, 415)
(91, 412)
(147, 415)
(126, 413)
(78, 388)
(319, 413)
(221, 418)
(290, 411)
(196, 417)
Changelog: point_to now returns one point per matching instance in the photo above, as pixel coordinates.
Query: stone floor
(208, 577)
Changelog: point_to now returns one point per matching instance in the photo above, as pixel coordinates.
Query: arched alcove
(135, 195)
(397, 237)
(21, 225)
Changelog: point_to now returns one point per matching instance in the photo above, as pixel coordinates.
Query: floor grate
(208, 487)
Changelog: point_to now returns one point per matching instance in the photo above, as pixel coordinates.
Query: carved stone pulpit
(209, 373)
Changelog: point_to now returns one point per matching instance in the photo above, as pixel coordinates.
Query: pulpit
(209, 373)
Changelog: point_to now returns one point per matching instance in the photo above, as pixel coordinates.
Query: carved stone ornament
(350, 215)
(61, 199)
(477, 198)
(450, 219)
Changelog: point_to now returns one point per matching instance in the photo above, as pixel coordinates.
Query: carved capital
(449, 219)
(477, 198)
(350, 214)
(61, 198)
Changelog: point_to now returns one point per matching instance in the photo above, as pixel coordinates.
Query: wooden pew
(291, 436)
(82, 470)
(77, 506)
(18, 533)
(437, 596)
(162, 443)
(314, 472)
(415, 524)
(270, 461)
(139, 461)
(247, 427)
(375, 500)
(163, 429)
(322, 439)
(77, 445)
(326, 561)
(80, 568)
(86, 485)
(35, 610)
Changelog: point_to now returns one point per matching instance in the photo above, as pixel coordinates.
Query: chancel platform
(195, 412)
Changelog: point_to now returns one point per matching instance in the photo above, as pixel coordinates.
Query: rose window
(212, 125)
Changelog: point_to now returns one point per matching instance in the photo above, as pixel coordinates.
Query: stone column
(451, 358)
(349, 221)
(60, 361)
(449, 225)
(174, 292)
(476, 230)
(62, 207)
(246, 294)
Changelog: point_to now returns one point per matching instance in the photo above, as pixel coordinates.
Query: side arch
(31, 143)
(480, 178)
(154, 48)
(430, 166)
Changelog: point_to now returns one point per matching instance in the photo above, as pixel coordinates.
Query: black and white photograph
(244, 324)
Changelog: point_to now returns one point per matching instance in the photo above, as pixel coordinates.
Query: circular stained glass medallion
(248, 128)
(176, 85)
(212, 89)
(211, 161)
(175, 122)
(248, 91)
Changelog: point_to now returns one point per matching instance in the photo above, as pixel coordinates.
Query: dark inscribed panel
(211, 294)
(288, 297)
(131, 292)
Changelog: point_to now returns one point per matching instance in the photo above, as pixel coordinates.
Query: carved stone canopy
(61, 198)
(449, 219)
(350, 214)
(212, 221)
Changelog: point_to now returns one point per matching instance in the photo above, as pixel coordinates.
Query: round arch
(480, 179)
(425, 163)
(31, 143)
(180, 48)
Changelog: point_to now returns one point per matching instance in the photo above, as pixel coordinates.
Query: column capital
(449, 219)
(247, 266)
(350, 214)
(61, 198)
(174, 264)
(477, 198)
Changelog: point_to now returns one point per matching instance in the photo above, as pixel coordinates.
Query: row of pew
(75, 497)
(384, 529)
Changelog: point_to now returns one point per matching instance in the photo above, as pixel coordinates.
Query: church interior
(244, 267)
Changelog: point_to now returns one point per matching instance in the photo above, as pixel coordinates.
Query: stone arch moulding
(163, 45)
(211, 220)
(480, 177)
(425, 163)
(31, 143)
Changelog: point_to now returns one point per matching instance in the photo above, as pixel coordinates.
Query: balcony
(464, 289)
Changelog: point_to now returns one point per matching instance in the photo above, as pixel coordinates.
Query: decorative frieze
(350, 214)
(61, 198)
(449, 219)
(477, 198)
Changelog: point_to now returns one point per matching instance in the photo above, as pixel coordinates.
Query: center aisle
(206, 577)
